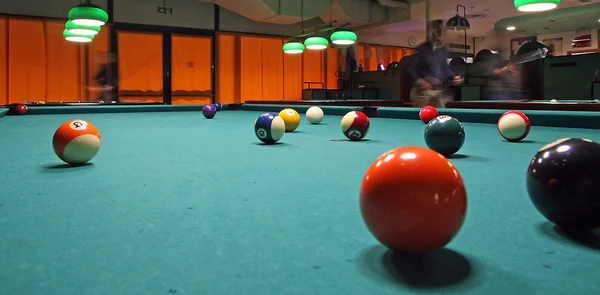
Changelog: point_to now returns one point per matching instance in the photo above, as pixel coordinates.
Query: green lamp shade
(343, 38)
(293, 47)
(316, 42)
(81, 29)
(88, 15)
(536, 5)
(77, 37)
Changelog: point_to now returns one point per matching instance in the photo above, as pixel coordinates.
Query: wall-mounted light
(536, 5)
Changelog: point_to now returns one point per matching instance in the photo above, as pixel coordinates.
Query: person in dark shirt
(503, 82)
(431, 71)
(104, 80)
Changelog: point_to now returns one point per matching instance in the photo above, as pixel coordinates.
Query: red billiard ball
(76, 142)
(21, 109)
(355, 125)
(428, 113)
(413, 200)
(514, 126)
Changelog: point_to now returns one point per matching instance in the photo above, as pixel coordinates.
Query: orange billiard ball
(76, 142)
(413, 200)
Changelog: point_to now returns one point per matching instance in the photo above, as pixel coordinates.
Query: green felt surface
(3, 112)
(177, 204)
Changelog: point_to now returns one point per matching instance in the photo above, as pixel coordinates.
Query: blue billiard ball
(218, 106)
(269, 128)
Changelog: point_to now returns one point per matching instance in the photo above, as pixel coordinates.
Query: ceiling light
(511, 28)
(536, 5)
(343, 37)
(77, 37)
(316, 43)
(88, 14)
(81, 29)
(293, 47)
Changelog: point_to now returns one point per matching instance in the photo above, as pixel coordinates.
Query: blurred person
(503, 81)
(431, 71)
(105, 82)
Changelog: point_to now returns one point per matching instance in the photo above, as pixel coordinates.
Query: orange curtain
(140, 67)
(255, 68)
(43, 66)
(3, 61)
(191, 70)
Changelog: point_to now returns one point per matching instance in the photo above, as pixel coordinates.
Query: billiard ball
(269, 128)
(445, 135)
(563, 182)
(209, 111)
(314, 115)
(355, 125)
(291, 119)
(76, 142)
(21, 109)
(413, 200)
(553, 100)
(218, 106)
(427, 114)
(514, 126)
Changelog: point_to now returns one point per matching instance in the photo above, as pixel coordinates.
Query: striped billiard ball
(269, 128)
(355, 125)
(514, 126)
(76, 142)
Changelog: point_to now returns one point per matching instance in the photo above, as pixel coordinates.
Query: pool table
(178, 204)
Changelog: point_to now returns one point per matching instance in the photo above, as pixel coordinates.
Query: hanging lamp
(81, 29)
(293, 47)
(88, 14)
(343, 37)
(316, 43)
(536, 5)
(80, 38)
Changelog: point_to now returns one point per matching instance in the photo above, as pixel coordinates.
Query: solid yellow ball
(291, 119)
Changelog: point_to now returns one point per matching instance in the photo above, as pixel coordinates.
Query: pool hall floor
(177, 204)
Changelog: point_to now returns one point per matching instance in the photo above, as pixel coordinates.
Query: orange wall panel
(26, 60)
(98, 55)
(272, 68)
(140, 62)
(63, 65)
(3, 61)
(251, 68)
(191, 64)
(292, 77)
(313, 67)
(332, 68)
(226, 69)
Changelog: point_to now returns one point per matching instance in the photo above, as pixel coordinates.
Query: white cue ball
(553, 101)
(314, 115)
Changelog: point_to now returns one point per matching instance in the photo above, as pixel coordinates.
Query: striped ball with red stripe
(355, 125)
(514, 126)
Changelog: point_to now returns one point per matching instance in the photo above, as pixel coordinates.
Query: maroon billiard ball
(355, 125)
(21, 109)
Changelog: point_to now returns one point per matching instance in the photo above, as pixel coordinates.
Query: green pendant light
(293, 47)
(88, 14)
(81, 29)
(343, 37)
(80, 38)
(536, 5)
(316, 43)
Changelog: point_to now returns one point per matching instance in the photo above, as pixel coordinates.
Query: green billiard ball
(445, 135)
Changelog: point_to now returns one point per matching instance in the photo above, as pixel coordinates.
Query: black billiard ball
(563, 182)
(445, 135)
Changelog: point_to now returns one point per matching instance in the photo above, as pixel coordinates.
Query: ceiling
(484, 16)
